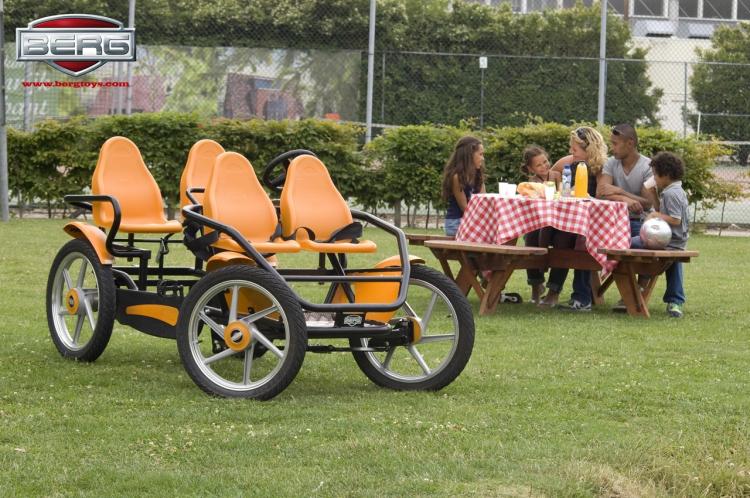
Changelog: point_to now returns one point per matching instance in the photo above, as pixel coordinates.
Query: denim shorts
(451, 226)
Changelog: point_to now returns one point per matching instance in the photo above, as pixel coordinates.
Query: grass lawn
(551, 404)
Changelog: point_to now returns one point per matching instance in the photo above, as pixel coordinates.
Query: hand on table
(634, 206)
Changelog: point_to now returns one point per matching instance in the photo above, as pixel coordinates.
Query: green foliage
(261, 140)
(504, 148)
(699, 157)
(415, 88)
(48, 163)
(410, 162)
(58, 158)
(719, 88)
(410, 159)
(20, 167)
(447, 88)
(404, 163)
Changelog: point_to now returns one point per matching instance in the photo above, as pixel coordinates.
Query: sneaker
(620, 307)
(510, 297)
(674, 310)
(574, 305)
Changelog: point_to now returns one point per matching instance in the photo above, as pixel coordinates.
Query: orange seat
(311, 201)
(121, 173)
(200, 164)
(235, 198)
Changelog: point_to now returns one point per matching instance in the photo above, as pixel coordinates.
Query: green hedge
(58, 158)
(404, 164)
(412, 157)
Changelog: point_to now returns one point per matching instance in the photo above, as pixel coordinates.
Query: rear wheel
(80, 302)
(443, 316)
(237, 313)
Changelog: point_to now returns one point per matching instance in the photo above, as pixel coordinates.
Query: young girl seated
(463, 176)
(536, 166)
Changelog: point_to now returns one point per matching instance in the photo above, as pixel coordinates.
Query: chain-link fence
(295, 60)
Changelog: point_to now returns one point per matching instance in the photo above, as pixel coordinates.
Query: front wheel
(445, 342)
(227, 321)
(80, 302)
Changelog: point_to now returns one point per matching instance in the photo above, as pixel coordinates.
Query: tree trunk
(427, 220)
(397, 214)
(20, 207)
(49, 209)
(721, 223)
(170, 212)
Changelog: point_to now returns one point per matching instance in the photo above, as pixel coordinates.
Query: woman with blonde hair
(586, 146)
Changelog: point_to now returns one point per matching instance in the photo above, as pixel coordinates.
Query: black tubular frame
(143, 271)
(189, 212)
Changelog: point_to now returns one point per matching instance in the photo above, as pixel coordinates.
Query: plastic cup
(507, 189)
(549, 192)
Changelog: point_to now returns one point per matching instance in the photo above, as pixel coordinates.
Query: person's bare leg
(550, 299)
(536, 292)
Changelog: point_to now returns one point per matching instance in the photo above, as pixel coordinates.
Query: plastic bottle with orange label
(582, 181)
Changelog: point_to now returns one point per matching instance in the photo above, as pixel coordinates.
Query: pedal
(169, 288)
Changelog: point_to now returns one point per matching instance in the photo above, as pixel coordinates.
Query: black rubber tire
(106, 305)
(461, 354)
(294, 348)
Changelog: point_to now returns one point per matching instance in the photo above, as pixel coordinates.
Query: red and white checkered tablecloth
(491, 219)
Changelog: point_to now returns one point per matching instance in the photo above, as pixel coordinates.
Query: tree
(544, 64)
(720, 88)
(535, 59)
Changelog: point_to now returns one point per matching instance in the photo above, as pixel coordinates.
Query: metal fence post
(4, 207)
(27, 97)
(602, 65)
(481, 100)
(684, 104)
(131, 24)
(698, 128)
(370, 71)
(382, 91)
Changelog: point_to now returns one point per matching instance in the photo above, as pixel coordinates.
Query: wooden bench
(476, 258)
(634, 262)
(418, 239)
(502, 260)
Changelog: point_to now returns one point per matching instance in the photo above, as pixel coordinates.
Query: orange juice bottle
(582, 181)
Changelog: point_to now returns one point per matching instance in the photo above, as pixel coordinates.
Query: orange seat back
(200, 164)
(121, 173)
(310, 199)
(234, 197)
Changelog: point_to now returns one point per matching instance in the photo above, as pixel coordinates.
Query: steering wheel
(276, 183)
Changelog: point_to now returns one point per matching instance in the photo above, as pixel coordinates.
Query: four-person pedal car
(241, 323)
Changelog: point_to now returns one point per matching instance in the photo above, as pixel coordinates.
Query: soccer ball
(655, 233)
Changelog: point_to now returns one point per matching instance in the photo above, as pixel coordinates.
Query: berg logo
(75, 44)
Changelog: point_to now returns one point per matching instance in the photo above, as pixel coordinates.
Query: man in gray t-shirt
(625, 177)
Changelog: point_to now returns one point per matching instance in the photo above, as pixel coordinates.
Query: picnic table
(492, 219)
(486, 238)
